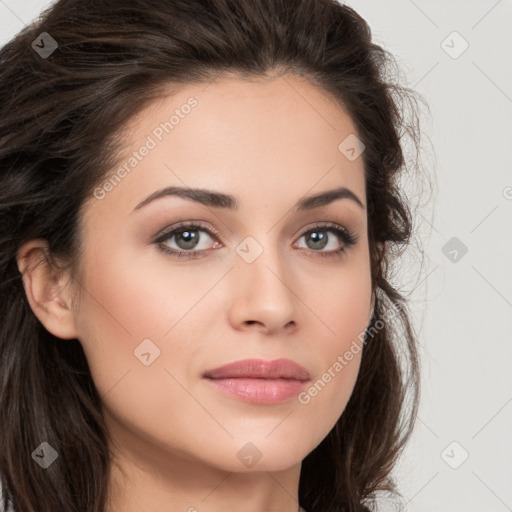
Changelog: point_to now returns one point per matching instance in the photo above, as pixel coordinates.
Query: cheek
(124, 316)
(131, 308)
(341, 303)
(129, 298)
(118, 311)
(343, 314)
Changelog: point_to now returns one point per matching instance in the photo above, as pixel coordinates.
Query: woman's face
(152, 324)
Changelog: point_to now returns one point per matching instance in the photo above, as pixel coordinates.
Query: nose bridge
(262, 290)
(262, 264)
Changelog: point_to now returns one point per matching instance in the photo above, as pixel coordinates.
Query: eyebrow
(220, 200)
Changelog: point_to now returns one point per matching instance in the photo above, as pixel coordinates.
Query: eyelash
(348, 238)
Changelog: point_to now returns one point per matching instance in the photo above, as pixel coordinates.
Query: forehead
(258, 139)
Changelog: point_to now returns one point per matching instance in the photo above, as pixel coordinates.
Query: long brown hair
(61, 113)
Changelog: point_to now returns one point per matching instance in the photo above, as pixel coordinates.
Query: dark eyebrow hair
(220, 200)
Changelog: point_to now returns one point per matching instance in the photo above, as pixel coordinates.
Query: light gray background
(462, 308)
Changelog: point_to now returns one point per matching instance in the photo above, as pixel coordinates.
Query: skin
(175, 439)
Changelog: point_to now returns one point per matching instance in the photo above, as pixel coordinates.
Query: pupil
(192, 239)
(315, 236)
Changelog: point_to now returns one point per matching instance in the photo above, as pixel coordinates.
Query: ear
(47, 289)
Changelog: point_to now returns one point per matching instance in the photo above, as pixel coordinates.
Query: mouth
(258, 381)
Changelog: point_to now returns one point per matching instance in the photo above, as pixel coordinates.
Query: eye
(190, 245)
(186, 237)
(317, 237)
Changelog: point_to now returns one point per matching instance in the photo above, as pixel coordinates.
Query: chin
(264, 453)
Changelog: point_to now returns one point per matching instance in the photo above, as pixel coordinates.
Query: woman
(199, 205)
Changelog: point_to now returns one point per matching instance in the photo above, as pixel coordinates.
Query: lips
(258, 381)
(260, 369)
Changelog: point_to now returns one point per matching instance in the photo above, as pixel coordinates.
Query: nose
(262, 296)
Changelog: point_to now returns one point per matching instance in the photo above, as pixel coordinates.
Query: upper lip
(260, 369)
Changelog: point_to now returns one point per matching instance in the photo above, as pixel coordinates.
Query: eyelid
(327, 226)
(169, 230)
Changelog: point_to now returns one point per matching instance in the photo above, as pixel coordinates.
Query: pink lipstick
(259, 381)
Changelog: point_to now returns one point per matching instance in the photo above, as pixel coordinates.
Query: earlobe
(46, 289)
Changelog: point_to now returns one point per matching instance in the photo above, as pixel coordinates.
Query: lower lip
(259, 391)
